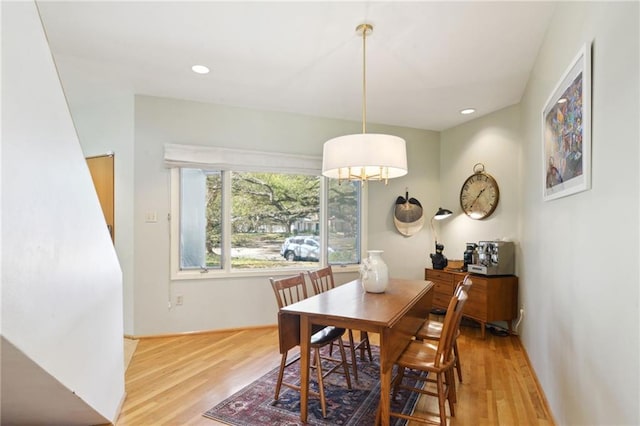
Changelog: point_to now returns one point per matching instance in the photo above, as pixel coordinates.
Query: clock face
(479, 195)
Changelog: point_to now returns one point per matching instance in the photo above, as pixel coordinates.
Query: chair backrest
(322, 279)
(465, 285)
(289, 290)
(451, 324)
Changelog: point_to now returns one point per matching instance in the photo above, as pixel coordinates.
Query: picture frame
(566, 131)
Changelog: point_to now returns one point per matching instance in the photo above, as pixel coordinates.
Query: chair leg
(397, 382)
(451, 390)
(323, 402)
(364, 337)
(458, 366)
(354, 361)
(441, 398)
(345, 364)
(280, 375)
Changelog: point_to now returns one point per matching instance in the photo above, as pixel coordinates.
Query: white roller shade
(208, 157)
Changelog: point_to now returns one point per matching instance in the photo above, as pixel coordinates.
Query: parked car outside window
(301, 248)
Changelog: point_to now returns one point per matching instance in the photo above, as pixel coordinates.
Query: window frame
(225, 271)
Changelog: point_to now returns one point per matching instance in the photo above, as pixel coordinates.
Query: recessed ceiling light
(467, 111)
(200, 69)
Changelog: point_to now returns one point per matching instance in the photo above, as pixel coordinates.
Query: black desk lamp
(438, 260)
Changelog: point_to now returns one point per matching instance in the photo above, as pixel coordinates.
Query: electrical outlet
(522, 310)
(179, 300)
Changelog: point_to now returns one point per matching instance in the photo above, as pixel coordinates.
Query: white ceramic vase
(374, 273)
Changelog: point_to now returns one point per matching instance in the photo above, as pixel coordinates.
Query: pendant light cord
(364, 29)
(364, 79)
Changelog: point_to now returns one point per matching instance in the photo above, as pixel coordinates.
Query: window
(266, 209)
(238, 220)
(200, 219)
(343, 222)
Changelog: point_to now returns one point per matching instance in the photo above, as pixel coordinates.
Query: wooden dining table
(395, 315)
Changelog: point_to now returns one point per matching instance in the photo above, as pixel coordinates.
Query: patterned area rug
(254, 405)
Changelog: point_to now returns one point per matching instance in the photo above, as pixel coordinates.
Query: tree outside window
(274, 220)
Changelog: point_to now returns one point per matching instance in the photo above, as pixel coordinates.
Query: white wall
(579, 268)
(494, 141)
(577, 262)
(102, 112)
(407, 257)
(237, 302)
(61, 282)
(103, 126)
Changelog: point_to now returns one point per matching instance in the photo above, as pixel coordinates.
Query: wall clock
(480, 194)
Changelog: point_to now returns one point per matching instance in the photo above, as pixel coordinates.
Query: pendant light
(364, 156)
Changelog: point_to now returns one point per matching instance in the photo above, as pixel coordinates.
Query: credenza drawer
(445, 288)
(434, 275)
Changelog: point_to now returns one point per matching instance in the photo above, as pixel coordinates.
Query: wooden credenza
(491, 298)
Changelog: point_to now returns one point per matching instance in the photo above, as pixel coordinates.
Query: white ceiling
(425, 60)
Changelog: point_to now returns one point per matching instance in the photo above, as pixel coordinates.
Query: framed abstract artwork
(566, 131)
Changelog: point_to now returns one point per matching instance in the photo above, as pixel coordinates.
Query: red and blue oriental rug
(254, 405)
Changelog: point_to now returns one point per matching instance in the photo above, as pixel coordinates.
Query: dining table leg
(386, 368)
(305, 353)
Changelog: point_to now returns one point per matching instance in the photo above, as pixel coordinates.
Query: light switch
(151, 217)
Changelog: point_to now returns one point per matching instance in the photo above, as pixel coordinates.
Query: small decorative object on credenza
(438, 259)
(454, 265)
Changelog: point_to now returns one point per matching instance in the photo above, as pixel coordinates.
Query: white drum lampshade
(364, 156)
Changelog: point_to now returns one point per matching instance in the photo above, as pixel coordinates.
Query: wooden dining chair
(294, 289)
(322, 280)
(432, 329)
(434, 359)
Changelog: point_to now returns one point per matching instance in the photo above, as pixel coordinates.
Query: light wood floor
(173, 380)
(130, 346)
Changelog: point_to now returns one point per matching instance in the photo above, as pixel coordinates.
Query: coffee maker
(494, 258)
(470, 255)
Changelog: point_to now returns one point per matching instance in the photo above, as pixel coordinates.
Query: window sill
(213, 274)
